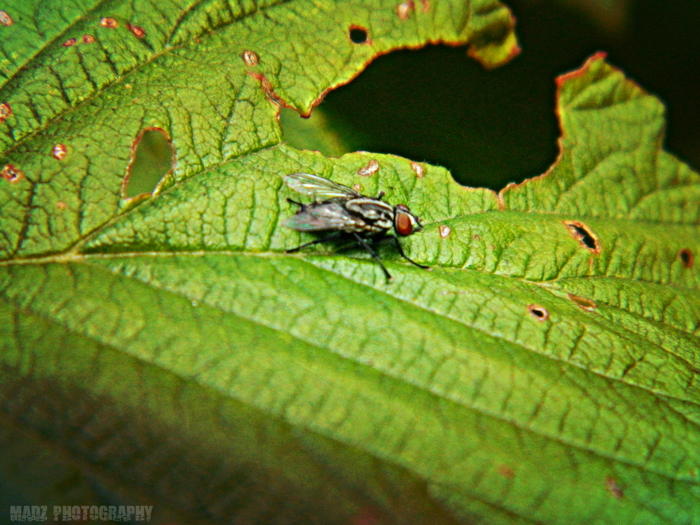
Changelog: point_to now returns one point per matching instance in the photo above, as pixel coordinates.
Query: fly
(340, 211)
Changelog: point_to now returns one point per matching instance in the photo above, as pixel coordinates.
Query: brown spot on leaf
(11, 173)
(109, 22)
(583, 303)
(358, 35)
(61, 205)
(444, 231)
(584, 235)
(613, 488)
(538, 312)
(59, 151)
(88, 39)
(250, 58)
(6, 19)
(687, 257)
(369, 169)
(426, 5)
(137, 31)
(506, 471)
(5, 112)
(268, 89)
(403, 10)
(418, 170)
(69, 43)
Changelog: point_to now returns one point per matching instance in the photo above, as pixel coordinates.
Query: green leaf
(544, 369)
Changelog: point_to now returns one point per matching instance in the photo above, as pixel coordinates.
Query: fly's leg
(325, 238)
(400, 249)
(374, 255)
(292, 201)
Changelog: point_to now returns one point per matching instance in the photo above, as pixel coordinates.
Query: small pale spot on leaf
(70, 42)
(538, 312)
(11, 173)
(250, 58)
(5, 112)
(59, 151)
(403, 10)
(418, 170)
(357, 188)
(137, 31)
(5, 18)
(109, 22)
(445, 231)
(88, 39)
(369, 169)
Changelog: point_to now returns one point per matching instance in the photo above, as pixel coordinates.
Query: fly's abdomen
(325, 216)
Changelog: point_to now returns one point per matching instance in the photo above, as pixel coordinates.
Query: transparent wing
(318, 187)
(320, 217)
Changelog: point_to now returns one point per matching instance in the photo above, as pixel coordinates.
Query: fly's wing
(318, 187)
(322, 216)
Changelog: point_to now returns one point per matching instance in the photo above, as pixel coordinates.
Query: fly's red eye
(403, 224)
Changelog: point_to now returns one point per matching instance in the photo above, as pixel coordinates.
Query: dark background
(493, 127)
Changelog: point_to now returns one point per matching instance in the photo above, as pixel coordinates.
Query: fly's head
(405, 222)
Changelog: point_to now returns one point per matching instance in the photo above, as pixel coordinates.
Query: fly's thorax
(405, 222)
(376, 213)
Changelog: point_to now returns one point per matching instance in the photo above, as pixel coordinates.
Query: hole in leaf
(152, 157)
(583, 303)
(687, 258)
(358, 35)
(538, 312)
(487, 128)
(583, 235)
